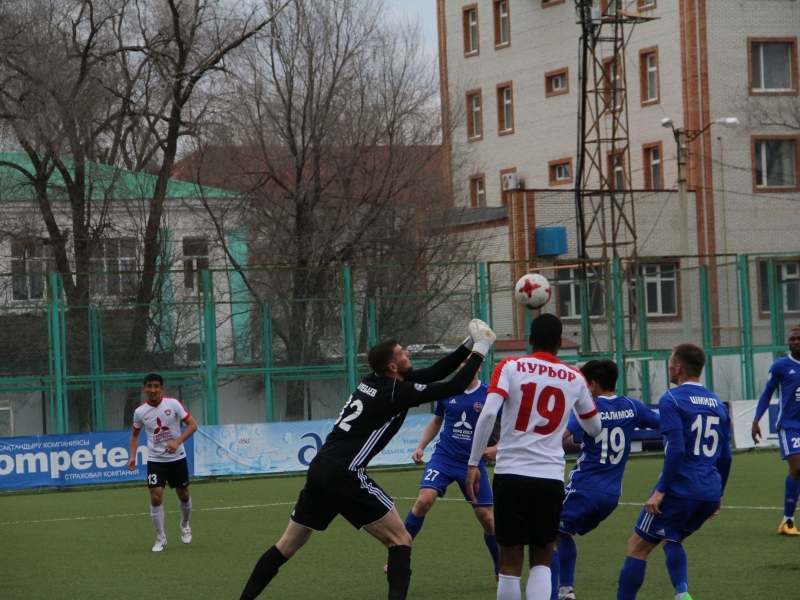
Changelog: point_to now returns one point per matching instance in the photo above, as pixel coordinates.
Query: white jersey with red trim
(162, 424)
(539, 392)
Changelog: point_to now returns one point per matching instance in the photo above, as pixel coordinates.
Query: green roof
(104, 181)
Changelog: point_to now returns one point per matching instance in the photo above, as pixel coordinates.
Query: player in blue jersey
(595, 483)
(454, 420)
(697, 461)
(784, 374)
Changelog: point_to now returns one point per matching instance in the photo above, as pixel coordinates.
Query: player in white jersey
(161, 417)
(537, 393)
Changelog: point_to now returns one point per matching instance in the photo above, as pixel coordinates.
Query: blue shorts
(441, 473)
(584, 510)
(789, 439)
(679, 518)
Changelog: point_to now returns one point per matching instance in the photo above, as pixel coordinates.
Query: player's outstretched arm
(433, 428)
(480, 340)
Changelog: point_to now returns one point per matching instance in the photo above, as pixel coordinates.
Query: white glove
(467, 343)
(482, 336)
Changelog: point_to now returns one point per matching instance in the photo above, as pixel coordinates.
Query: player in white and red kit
(161, 417)
(537, 393)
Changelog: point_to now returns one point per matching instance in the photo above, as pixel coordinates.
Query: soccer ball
(532, 291)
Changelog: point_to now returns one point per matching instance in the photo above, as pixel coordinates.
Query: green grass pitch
(96, 544)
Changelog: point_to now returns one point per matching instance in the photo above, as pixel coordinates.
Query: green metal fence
(274, 345)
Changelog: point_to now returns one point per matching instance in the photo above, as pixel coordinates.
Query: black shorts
(526, 510)
(175, 472)
(332, 489)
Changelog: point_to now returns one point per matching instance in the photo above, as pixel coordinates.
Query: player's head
(388, 358)
(602, 373)
(687, 360)
(546, 333)
(153, 387)
(794, 340)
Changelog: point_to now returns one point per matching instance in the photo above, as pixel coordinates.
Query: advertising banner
(72, 459)
(280, 447)
(742, 414)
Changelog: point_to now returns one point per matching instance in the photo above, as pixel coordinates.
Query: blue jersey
(602, 459)
(784, 374)
(460, 416)
(702, 419)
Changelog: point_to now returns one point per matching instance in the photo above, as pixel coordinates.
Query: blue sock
(555, 569)
(677, 566)
(568, 555)
(413, 524)
(631, 578)
(790, 498)
(491, 544)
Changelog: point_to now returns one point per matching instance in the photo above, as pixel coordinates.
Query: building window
(648, 63)
(787, 277)
(31, 261)
(505, 109)
(549, 3)
(470, 20)
(775, 163)
(609, 7)
(560, 171)
(195, 259)
(568, 290)
(477, 191)
(617, 177)
(645, 4)
(114, 267)
(612, 93)
(502, 24)
(653, 173)
(773, 66)
(660, 289)
(474, 117)
(556, 83)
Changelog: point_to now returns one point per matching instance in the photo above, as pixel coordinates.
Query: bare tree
(335, 138)
(119, 82)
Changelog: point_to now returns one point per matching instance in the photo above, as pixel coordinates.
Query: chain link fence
(279, 345)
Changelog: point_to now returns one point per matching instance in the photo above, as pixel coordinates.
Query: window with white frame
(114, 267)
(505, 108)
(31, 261)
(653, 168)
(195, 259)
(650, 67)
(787, 278)
(645, 4)
(502, 23)
(562, 172)
(771, 66)
(471, 30)
(568, 289)
(660, 282)
(478, 191)
(775, 163)
(474, 120)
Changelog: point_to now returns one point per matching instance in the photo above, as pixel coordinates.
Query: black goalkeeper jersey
(377, 408)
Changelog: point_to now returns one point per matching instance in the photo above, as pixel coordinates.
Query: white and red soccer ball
(532, 291)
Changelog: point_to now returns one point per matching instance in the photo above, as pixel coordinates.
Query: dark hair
(154, 377)
(603, 372)
(381, 354)
(793, 329)
(691, 357)
(546, 332)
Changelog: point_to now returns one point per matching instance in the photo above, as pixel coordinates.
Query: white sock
(186, 510)
(565, 589)
(681, 596)
(508, 588)
(157, 514)
(540, 584)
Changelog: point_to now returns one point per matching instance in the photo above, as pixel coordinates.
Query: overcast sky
(425, 9)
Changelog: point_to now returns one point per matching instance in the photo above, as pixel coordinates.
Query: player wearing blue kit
(595, 483)
(697, 461)
(454, 420)
(784, 375)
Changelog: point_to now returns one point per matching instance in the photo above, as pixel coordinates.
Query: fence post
(58, 359)
(619, 326)
(775, 307)
(210, 348)
(372, 322)
(749, 391)
(350, 342)
(641, 319)
(485, 316)
(96, 368)
(266, 340)
(705, 317)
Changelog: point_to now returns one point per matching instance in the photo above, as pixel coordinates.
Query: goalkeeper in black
(337, 482)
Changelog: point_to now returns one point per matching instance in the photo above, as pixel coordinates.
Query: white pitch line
(246, 506)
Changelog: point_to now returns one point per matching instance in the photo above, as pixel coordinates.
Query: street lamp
(683, 137)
